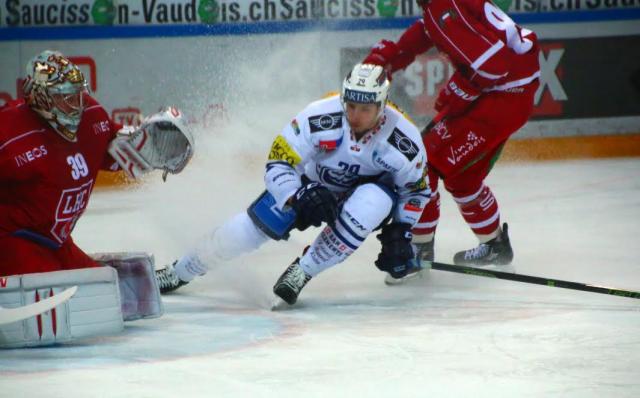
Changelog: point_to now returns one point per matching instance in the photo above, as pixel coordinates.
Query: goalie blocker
(163, 141)
(125, 289)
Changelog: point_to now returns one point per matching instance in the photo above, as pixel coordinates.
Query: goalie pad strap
(94, 310)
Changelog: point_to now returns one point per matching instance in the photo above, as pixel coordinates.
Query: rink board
(587, 106)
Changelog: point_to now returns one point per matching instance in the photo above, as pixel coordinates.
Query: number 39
(79, 167)
(501, 21)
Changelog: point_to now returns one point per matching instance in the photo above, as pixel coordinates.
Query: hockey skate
(290, 283)
(168, 280)
(424, 257)
(497, 251)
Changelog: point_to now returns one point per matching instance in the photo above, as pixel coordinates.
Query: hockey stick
(10, 315)
(436, 119)
(489, 273)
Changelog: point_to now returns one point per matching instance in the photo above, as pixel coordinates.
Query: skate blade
(278, 304)
(391, 281)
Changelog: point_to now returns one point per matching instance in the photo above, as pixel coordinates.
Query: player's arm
(163, 141)
(398, 55)
(413, 191)
(481, 46)
(290, 151)
(413, 195)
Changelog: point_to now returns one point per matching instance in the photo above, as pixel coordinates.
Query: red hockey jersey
(46, 181)
(482, 41)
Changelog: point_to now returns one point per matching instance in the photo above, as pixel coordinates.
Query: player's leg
(19, 256)
(365, 209)
(70, 256)
(243, 233)
(424, 231)
(479, 208)
(463, 150)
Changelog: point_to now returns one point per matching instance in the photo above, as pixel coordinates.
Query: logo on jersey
(295, 127)
(346, 177)
(441, 129)
(282, 151)
(101, 127)
(30, 155)
(413, 204)
(330, 145)
(460, 152)
(70, 207)
(402, 143)
(325, 122)
(377, 159)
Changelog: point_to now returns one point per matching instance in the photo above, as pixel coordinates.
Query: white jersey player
(351, 161)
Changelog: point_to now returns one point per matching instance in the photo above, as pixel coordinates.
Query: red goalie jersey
(484, 44)
(45, 184)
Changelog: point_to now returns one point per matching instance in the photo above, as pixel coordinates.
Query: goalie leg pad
(93, 311)
(274, 223)
(139, 291)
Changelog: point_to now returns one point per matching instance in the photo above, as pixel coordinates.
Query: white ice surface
(447, 335)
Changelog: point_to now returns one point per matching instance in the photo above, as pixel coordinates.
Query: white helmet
(366, 84)
(53, 83)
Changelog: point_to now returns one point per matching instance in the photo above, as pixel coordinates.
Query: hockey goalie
(53, 142)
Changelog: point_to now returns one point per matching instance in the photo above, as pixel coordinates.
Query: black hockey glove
(314, 204)
(396, 252)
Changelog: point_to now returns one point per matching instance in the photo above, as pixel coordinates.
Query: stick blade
(10, 315)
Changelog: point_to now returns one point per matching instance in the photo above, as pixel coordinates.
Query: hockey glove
(382, 53)
(163, 141)
(457, 95)
(314, 204)
(397, 252)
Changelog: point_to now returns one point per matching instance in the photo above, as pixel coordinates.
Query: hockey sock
(480, 211)
(331, 247)
(424, 230)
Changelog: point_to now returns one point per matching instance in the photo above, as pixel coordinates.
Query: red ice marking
(3, 282)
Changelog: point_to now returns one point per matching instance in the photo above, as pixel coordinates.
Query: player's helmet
(55, 89)
(366, 84)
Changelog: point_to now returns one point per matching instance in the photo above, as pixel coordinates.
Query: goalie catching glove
(163, 141)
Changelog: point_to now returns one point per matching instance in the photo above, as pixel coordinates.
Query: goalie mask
(366, 84)
(55, 89)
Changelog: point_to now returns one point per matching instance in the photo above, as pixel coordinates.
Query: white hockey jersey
(318, 143)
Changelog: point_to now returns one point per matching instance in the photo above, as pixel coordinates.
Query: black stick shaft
(534, 280)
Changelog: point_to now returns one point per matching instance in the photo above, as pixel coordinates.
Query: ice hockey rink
(446, 335)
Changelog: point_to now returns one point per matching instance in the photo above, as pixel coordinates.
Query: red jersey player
(52, 144)
(486, 100)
